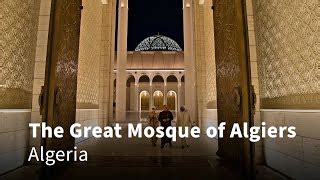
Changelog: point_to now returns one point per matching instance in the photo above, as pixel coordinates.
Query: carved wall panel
(18, 36)
(199, 52)
(204, 56)
(288, 47)
(89, 54)
(209, 55)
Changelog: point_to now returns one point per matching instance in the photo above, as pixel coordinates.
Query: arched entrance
(129, 96)
(172, 100)
(144, 101)
(158, 96)
(158, 99)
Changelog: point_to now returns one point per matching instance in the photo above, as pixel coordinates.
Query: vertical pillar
(136, 96)
(107, 63)
(121, 60)
(60, 89)
(179, 94)
(151, 95)
(165, 91)
(190, 93)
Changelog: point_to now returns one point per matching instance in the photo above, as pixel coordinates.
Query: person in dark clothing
(165, 118)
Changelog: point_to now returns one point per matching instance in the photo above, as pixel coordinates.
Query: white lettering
(132, 132)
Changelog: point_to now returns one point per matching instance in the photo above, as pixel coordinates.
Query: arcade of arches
(108, 86)
(162, 93)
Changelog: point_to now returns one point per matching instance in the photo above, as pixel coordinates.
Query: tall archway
(172, 100)
(158, 99)
(129, 95)
(144, 101)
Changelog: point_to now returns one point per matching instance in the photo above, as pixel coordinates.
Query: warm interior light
(188, 5)
(104, 1)
(201, 2)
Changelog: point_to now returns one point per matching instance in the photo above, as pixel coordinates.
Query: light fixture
(188, 5)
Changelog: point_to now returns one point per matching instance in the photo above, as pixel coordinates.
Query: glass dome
(158, 43)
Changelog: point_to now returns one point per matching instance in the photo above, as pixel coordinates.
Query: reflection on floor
(137, 159)
(135, 117)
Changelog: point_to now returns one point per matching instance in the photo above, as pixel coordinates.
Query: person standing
(153, 122)
(165, 118)
(183, 121)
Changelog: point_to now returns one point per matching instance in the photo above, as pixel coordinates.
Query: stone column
(151, 95)
(190, 93)
(121, 60)
(179, 94)
(136, 96)
(165, 91)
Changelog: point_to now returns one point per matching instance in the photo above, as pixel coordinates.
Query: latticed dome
(158, 43)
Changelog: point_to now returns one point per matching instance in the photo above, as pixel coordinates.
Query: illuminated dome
(158, 43)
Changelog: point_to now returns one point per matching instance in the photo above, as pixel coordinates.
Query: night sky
(150, 17)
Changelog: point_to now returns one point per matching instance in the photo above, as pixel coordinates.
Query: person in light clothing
(153, 122)
(183, 121)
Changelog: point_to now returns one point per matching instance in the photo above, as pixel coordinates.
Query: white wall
(209, 118)
(14, 128)
(87, 117)
(298, 158)
(14, 134)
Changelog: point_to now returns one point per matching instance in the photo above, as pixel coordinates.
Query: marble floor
(135, 117)
(137, 159)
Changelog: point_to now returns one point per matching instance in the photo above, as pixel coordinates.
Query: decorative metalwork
(64, 43)
(158, 43)
(231, 76)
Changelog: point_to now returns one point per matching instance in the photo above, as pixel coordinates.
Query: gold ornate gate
(233, 79)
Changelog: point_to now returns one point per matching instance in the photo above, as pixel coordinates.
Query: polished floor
(137, 159)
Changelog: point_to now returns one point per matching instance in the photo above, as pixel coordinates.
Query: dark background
(150, 17)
